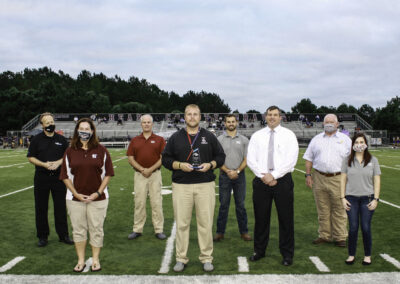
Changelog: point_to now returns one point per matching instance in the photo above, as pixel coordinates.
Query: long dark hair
(93, 141)
(367, 155)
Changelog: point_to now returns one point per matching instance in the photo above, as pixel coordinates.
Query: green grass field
(144, 255)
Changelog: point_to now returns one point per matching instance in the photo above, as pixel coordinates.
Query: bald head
(330, 118)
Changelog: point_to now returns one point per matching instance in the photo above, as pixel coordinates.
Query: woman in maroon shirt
(86, 171)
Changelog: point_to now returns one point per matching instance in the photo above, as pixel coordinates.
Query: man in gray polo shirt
(232, 177)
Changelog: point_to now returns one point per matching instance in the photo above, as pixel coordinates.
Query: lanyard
(191, 143)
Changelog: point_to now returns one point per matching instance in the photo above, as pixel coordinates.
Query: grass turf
(144, 255)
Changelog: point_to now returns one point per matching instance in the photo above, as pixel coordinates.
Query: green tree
(388, 117)
(367, 113)
(304, 106)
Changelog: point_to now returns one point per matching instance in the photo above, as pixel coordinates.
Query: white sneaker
(208, 267)
(179, 266)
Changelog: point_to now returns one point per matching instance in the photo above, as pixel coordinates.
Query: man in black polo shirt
(46, 152)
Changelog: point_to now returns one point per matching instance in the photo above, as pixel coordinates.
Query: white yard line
(8, 166)
(11, 263)
(388, 203)
(319, 264)
(11, 156)
(26, 188)
(387, 167)
(169, 249)
(88, 263)
(390, 259)
(381, 200)
(123, 158)
(243, 264)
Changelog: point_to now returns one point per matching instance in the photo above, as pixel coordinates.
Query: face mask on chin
(359, 147)
(84, 136)
(50, 128)
(330, 127)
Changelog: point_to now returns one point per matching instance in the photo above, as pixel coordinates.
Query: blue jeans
(359, 212)
(226, 185)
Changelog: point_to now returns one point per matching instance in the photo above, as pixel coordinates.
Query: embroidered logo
(94, 156)
(58, 143)
(238, 142)
(203, 140)
(152, 141)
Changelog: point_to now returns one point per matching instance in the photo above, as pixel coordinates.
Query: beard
(192, 124)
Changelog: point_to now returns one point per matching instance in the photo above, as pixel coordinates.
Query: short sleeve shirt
(360, 179)
(87, 169)
(235, 149)
(146, 151)
(46, 148)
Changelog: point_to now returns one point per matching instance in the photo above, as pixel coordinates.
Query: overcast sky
(252, 53)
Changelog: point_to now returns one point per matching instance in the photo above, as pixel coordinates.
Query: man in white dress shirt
(272, 155)
(325, 154)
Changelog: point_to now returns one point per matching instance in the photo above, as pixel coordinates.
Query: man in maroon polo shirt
(144, 155)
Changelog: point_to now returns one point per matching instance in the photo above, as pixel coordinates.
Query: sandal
(79, 265)
(95, 267)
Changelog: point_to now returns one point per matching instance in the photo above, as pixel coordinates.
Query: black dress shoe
(350, 262)
(287, 261)
(161, 236)
(42, 243)
(366, 263)
(256, 257)
(66, 240)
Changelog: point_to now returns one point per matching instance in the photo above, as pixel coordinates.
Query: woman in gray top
(360, 187)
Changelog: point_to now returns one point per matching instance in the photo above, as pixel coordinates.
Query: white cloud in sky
(252, 53)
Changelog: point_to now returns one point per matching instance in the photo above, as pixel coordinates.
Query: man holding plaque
(192, 153)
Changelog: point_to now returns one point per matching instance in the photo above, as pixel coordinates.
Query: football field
(148, 256)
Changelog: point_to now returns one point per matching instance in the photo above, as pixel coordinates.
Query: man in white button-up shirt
(272, 155)
(325, 154)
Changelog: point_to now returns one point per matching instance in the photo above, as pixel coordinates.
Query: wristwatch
(377, 199)
(307, 175)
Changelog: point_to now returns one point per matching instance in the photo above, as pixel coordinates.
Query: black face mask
(50, 128)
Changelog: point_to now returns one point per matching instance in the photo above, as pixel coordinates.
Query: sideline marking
(26, 188)
(380, 200)
(319, 264)
(88, 263)
(8, 166)
(390, 259)
(11, 156)
(243, 264)
(167, 258)
(11, 263)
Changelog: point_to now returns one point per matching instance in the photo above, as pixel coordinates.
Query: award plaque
(196, 159)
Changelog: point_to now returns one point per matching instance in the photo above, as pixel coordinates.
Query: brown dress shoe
(319, 241)
(246, 237)
(341, 244)
(218, 237)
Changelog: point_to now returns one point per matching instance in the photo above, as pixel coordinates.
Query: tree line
(385, 118)
(25, 94)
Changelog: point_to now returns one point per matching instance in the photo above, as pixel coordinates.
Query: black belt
(329, 174)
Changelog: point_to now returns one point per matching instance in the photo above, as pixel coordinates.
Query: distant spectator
(317, 118)
(75, 119)
(119, 121)
(343, 130)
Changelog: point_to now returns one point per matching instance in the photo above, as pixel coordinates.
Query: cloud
(252, 53)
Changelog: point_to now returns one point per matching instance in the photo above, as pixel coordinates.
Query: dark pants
(58, 192)
(282, 194)
(359, 212)
(226, 185)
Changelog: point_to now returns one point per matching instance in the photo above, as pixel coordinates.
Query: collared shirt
(86, 169)
(327, 152)
(360, 179)
(235, 149)
(286, 150)
(146, 151)
(47, 148)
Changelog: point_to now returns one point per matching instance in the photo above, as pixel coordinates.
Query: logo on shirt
(152, 141)
(58, 143)
(238, 142)
(203, 140)
(94, 156)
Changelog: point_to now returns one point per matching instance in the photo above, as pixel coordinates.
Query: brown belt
(329, 174)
